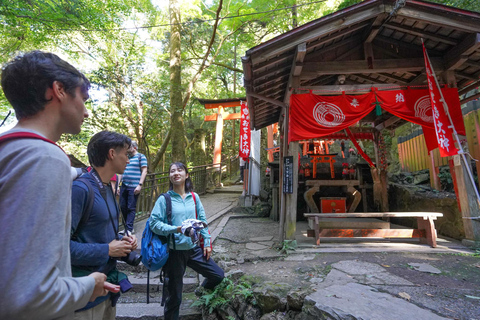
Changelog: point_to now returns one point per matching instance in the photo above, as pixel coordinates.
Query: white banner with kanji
(443, 125)
(244, 147)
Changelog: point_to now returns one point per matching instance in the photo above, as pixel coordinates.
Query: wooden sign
(288, 174)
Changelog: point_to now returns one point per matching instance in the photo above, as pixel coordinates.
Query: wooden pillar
(434, 179)
(217, 152)
(291, 198)
(283, 149)
(468, 201)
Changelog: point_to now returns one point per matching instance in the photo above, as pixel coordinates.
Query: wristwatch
(140, 184)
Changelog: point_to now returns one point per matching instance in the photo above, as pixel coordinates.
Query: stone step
(132, 306)
(139, 282)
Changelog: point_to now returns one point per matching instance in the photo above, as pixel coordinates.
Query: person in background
(131, 185)
(48, 95)
(185, 205)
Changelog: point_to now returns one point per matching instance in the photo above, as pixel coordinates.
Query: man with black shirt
(96, 244)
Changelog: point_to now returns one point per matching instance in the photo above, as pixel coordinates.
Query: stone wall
(403, 198)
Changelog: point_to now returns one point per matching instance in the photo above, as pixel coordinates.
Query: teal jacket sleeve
(202, 217)
(158, 219)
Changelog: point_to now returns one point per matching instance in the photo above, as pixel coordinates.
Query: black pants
(128, 205)
(175, 267)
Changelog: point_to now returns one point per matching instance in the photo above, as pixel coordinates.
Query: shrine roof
(375, 43)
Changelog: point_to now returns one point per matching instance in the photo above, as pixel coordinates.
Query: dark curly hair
(101, 143)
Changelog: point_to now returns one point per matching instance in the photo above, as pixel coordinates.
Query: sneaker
(200, 291)
(121, 232)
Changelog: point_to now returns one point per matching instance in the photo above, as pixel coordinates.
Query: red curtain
(313, 116)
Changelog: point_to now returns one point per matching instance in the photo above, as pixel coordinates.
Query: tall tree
(176, 101)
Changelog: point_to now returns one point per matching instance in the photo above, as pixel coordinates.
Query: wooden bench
(426, 228)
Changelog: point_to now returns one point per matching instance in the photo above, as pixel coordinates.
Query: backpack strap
(87, 209)
(168, 209)
(25, 135)
(196, 217)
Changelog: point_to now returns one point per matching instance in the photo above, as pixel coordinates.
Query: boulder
(271, 296)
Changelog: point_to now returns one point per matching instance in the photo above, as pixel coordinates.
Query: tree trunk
(198, 154)
(176, 102)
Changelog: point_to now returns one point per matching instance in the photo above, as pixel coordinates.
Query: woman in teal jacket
(184, 253)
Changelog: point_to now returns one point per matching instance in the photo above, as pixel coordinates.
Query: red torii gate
(220, 116)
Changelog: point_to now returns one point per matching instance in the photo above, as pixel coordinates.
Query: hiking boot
(200, 291)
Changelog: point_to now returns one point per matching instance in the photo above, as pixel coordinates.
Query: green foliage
(225, 292)
(123, 46)
(446, 180)
(288, 245)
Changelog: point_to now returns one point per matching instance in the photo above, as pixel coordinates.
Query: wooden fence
(203, 178)
(412, 149)
(413, 154)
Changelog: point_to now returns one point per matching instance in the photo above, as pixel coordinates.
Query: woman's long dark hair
(188, 181)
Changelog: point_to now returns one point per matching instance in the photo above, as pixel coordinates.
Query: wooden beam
(281, 59)
(272, 101)
(337, 35)
(348, 43)
(368, 233)
(391, 54)
(229, 116)
(360, 66)
(473, 63)
(223, 104)
(368, 53)
(469, 87)
(367, 78)
(416, 50)
(456, 22)
(387, 123)
(374, 28)
(465, 75)
(394, 78)
(458, 55)
(474, 97)
(420, 79)
(351, 88)
(295, 71)
(326, 27)
(276, 72)
(420, 33)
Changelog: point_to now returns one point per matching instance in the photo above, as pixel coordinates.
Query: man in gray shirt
(48, 96)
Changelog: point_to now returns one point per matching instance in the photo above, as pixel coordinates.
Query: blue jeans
(128, 205)
(177, 262)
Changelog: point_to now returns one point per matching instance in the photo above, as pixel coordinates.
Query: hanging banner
(313, 116)
(244, 145)
(443, 125)
(412, 105)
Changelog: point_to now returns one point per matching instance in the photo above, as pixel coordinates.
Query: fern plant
(223, 293)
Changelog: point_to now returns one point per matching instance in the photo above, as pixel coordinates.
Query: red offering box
(333, 205)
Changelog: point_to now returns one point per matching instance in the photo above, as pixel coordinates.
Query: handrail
(204, 177)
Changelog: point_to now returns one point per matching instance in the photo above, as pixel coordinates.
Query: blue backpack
(154, 247)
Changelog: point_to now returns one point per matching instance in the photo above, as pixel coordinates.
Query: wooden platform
(426, 228)
(350, 223)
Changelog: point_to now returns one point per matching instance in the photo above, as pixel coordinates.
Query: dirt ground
(454, 293)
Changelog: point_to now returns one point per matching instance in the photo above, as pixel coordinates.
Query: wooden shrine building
(368, 48)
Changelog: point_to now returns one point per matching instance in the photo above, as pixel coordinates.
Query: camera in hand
(133, 258)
